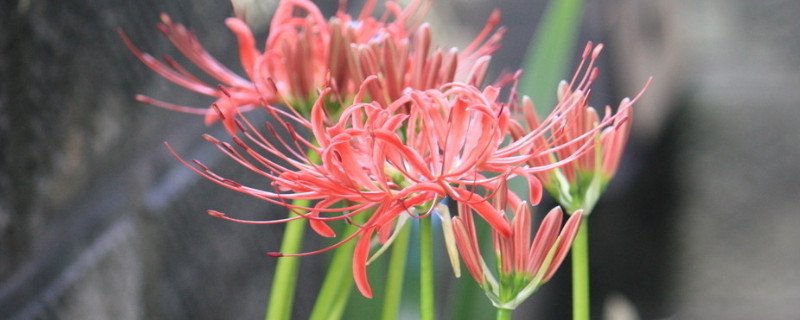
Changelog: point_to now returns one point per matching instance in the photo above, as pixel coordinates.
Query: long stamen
(303, 254)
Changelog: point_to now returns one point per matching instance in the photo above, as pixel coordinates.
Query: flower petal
(564, 243)
(360, 256)
(544, 239)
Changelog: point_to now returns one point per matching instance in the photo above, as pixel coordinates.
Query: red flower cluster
(305, 52)
(395, 125)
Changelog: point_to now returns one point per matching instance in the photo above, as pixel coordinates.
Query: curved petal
(360, 256)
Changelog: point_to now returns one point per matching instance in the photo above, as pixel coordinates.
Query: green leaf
(550, 51)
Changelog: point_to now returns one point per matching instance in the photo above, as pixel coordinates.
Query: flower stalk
(426, 272)
(336, 288)
(284, 282)
(396, 274)
(504, 314)
(580, 273)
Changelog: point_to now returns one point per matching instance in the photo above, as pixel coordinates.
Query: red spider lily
(395, 127)
(305, 52)
(522, 265)
(378, 161)
(573, 130)
(384, 161)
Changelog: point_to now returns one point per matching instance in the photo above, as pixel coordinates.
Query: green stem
(426, 306)
(394, 276)
(504, 314)
(580, 272)
(335, 290)
(343, 295)
(284, 282)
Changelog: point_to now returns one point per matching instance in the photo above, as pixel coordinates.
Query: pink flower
(382, 161)
(305, 52)
(573, 131)
(522, 265)
(393, 124)
(401, 150)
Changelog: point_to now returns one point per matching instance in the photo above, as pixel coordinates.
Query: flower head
(573, 131)
(373, 125)
(305, 52)
(378, 162)
(522, 265)
(387, 113)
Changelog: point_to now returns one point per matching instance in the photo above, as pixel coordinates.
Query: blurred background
(98, 221)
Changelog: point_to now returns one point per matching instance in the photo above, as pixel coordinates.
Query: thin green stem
(394, 276)
(580, 272)
(344, 291)
(284, 282)
(426, 306)
(504, 314)
(335, 290)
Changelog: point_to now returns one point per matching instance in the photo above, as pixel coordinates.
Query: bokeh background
(98, 221)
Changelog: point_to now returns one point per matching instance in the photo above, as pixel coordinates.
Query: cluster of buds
(375, 123)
